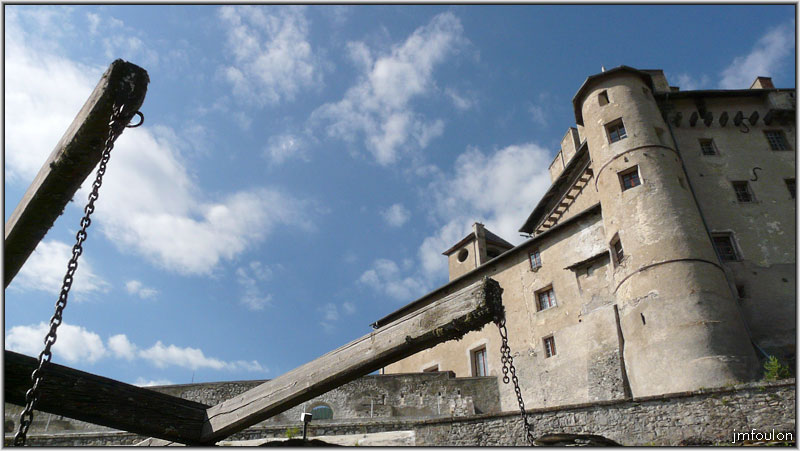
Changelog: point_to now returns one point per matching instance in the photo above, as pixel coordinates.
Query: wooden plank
(446, 319)
(72, 160)
(99, 400)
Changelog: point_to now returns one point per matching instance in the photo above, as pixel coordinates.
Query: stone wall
(702, 417)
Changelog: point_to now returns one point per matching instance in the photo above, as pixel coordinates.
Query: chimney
(762, 83)
(480, 242)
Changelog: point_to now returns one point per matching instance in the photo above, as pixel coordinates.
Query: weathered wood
(449, 318)
(99, 400)
(72, 160)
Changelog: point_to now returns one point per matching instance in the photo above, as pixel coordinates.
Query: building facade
(660, 260)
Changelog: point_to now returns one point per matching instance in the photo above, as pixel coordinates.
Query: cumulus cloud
(249, 277)
(770, 53)
(136, 288)
(74, 343)
(378, 108)
(149, 203)
(285, 147)
(121, 347)
(498, 189)
(45, 268)
(273, 59)
(396, 215)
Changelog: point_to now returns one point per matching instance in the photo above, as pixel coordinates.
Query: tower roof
(592, 79)
(491, 238)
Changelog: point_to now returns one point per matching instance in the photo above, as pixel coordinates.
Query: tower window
(743, 192)
(616, 248)
(546, 299)
(616, 131)
(462, 255)
(602, 98)
(707, 147)
(723, 243)
(777, 140)
(478, 358)
(790, 186)
(549, 346)
(629, 178)
(535, 259)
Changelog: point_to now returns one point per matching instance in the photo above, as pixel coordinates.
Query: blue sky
(301, 169)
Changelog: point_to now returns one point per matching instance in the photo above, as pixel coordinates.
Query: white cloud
(329, 312)
(162, 356)
(284, 147)
(121, 347)
(273, 59)
(248, 279)
(770, 53)
(688, 82)
(166, 218)
(45, 268)
(136, 288)
(378, 106)
(538, 115)
(498, 189)
(459, 101)
(349, 308)
(142, 382)
(74, 343)
(396, 215)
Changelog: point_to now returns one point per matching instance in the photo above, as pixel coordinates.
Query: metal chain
(508, 367)
(115, 128)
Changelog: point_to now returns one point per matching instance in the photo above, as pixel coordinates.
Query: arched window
(322, 412)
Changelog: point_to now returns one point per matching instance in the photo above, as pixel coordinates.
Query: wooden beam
(99, 400)
(72, 160)
(449, 318)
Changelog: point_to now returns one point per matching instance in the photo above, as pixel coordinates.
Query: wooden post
(99, 400)
(72, 160)
(446, 319)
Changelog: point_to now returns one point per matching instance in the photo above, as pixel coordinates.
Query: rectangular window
(629, 178)
(616, 131)
(618, 253)
(790, 186)
(549, 346)
(535, 259)
(742, 190)
(602, 98)
(723, 243)
(707, 147)
(546, 298)
(479, 362)
(777, 140)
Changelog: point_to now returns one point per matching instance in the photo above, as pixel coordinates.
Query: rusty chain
(508, 367)
(115, 128)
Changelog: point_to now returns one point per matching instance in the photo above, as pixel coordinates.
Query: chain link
(115, 128)
(508, 367)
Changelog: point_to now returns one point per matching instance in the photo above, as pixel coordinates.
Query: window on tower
(629, 178)
(725, 246)
(616, 131)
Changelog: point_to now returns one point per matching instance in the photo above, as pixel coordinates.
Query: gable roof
(491, 238)
(592, 79)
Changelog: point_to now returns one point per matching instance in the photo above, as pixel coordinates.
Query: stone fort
(659, 274)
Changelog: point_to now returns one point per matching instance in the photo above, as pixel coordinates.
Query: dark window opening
(546, 299)
(462, 255)
(549, 346)
(630, 178)
(479, 362)
(777, 140)
(618, 253)
(616, 131)
(432, 369)
(790, 186)
(742, 190)
(707, 147)
(603, 98)
(723, 243)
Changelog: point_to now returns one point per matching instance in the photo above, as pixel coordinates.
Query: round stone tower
(681, 326)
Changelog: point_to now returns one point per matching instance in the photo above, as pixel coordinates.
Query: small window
(790, 186)
(602, 98)
(707, 147)
(743, 192)
(479, 362)
(616, 247)
(546, 298)
(616, 131)
(462, 255)
(431, 369)
(549, 346)
(723, 243)
(629, 178)
(777, 140)
(535, 259)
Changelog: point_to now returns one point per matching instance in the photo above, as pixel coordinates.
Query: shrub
(774, 369)
(292, 432)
